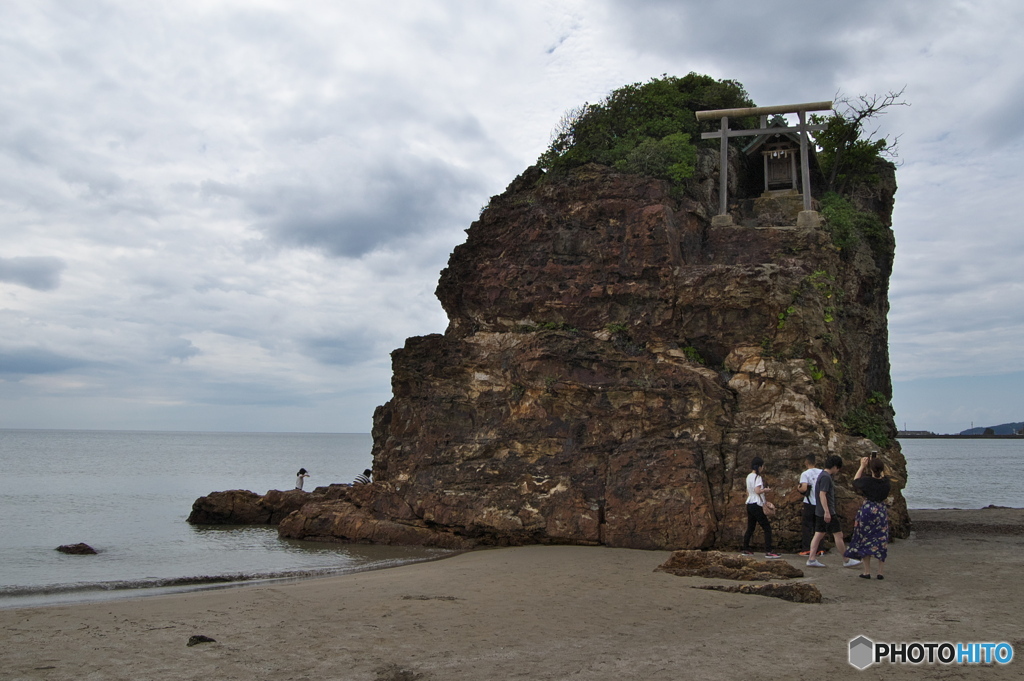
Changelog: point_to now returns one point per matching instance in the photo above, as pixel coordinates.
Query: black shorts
(832, 526)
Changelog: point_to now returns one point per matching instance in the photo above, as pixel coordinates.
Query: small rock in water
(81, 549)
(199, 638)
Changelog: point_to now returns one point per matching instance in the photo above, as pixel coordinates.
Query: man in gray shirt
(826, 520)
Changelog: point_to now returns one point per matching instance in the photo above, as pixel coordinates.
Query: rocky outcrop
(612, 364)
(199, 638)
(353, 513)
(242, 507)
(797, 593)
(369, 514)
(718, 565)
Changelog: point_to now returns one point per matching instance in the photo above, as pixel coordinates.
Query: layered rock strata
(613, 363)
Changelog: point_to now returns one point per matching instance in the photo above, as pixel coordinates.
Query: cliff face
(613, 363)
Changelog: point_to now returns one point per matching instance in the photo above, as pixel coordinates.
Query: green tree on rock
(643, 128)
(847, 153)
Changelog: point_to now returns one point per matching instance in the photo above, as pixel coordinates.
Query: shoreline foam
(16, 597)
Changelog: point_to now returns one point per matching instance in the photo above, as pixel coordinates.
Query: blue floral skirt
(870, 532)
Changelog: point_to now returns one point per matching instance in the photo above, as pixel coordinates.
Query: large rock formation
(613, 363)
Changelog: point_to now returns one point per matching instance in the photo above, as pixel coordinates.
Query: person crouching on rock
(300, 478)
(755, 509)
(871, 529)
(364, 478)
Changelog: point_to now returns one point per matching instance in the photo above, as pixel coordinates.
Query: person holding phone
(755, 510)
(871, 529)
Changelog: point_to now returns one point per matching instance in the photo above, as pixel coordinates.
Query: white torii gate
(763, 111)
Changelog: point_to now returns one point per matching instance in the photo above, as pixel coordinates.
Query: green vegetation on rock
(693, 354)
(643, 128)
(815, 373)
(873, 426)
(847, 225)
(847, 154)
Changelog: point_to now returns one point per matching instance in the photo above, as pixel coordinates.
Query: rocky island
(615, 357)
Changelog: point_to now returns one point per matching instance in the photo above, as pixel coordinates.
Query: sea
(961, 473)
(127, 494)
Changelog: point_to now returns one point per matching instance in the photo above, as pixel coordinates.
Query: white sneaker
(814, 562)
(851, 562)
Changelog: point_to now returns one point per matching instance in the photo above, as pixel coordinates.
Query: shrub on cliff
(870, 424)
(643, 128)
(848, 226)
(847, 153)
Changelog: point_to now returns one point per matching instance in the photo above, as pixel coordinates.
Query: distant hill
(1002, 429)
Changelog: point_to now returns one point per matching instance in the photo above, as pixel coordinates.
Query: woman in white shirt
(755, 509)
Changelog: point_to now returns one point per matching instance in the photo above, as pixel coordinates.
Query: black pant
(756, 516)
(807, 525)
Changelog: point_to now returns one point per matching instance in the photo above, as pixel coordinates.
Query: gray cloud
(28, 361)
(1001, 121)
(406, 197)
(346, 348)
(254, 200)
(750, 41)
(39, 273)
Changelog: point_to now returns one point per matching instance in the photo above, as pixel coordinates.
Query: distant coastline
(921, 435)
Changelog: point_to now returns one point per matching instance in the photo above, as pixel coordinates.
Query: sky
(224, 215)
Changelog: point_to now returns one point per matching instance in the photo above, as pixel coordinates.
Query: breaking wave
(51, 594)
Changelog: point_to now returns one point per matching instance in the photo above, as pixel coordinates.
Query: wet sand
(551, 612)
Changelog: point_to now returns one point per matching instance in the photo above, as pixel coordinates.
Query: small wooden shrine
(779, 151)
(785, 149)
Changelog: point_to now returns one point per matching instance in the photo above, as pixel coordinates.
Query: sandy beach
(550, 612)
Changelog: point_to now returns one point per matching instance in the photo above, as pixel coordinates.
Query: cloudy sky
(223, 215)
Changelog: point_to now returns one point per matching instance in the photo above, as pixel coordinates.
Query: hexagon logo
(862, 652)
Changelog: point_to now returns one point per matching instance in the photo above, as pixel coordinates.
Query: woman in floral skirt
(871, 529)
